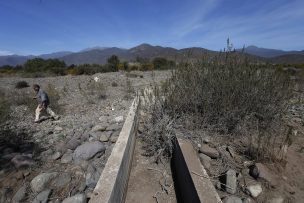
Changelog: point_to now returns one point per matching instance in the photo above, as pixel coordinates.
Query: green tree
(113, 62)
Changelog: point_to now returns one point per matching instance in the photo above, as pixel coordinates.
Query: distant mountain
(268, 53)
(13, 60)
(93, 48)
(95, 56)
(99, 55)
(55, 55)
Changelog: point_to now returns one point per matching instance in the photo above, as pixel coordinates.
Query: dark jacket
(42, 97)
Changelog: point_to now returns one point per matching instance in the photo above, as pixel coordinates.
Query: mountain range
(99, 55)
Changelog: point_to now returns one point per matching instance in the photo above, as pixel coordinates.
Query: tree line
(40, 67)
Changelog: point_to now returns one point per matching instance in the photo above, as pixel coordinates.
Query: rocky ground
(61, 160)
(240, 179)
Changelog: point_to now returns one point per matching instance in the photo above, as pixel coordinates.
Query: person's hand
(34, 97)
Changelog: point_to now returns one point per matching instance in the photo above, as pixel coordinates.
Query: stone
(118, 119)
(114, 139)
(20, 194)
(114, 127)
(92, 176)
(100, 127)
(276, 200)
(73, 143)
(39, 182)
(205, 160)
(97, 134)
(261, 171)
(206, 140)
(254, 190)
(103, 118)
(61, 180)
(55, 156)
(79, 198)
(22, 161)
(105, 136)
(58, 129)
(211, 152)
(67, 158)
(232, 199)
(46, 153)
(42, 197)
(231, 184)
(88, 150)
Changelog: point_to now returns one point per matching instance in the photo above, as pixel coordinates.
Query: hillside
(99, 55)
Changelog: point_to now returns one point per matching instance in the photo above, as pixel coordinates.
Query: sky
(45, 26)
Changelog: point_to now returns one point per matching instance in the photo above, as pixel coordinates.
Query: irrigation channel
(128, 176)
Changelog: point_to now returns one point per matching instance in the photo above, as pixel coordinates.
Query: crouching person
(43, 103)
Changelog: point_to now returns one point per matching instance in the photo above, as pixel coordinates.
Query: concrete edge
(190, 175)
(112, 184)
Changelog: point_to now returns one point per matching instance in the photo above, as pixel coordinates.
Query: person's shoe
(36, 121)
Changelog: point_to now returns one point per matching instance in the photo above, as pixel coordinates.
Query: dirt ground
(149, 182)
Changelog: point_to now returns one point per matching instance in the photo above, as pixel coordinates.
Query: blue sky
(44, 26)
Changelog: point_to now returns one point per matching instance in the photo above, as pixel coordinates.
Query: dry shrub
(227, 93)
(96, 91)
(4, 108)
(54, 98)
(21, 84)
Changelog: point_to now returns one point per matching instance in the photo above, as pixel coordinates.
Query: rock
(205, 160)
(231, 151)
(26, 173)
(22, 161)
(20, 194)
(61, 180)
(248, 200)
(79, 198)
(58, 129)
(114, 127)
(232, 199)
(261, 171)
(113, 139)
(206, 140)
(42, 197)
(118, 119)
(100, 127)
(211, 152)
(97, 134)
(92, 176)
(88, 150)
(254, 190)
(55, 156)
(19, 175)
(105, 136)
(46, 153)
(276, 200)
(67, 158)
(40, 181)
(103, 118)
(73, 143)
(231, 184)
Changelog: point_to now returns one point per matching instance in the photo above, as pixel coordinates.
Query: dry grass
(232, 97)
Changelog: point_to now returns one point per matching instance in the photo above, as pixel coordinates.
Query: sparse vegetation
(21, 84)
(230, 96)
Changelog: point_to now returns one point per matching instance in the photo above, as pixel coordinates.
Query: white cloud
(4, 53)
